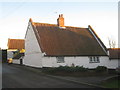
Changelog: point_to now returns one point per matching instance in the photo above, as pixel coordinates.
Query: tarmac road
(21, 77)
(0, 75)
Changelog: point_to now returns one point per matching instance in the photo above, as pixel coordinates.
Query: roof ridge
(44, 23)
(57, 25)
(16, 39)
(74, 27)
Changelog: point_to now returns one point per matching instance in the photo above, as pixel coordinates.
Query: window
(60, 59)
(94, 60)
(90, 59)
(98, 59)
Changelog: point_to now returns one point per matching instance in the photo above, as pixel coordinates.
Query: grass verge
(111, 83)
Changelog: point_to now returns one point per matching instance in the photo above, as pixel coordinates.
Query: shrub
(101, 69)
(81, 69)
(67, 69)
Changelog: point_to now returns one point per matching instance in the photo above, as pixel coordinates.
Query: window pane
(94, 59)
(60, 59)
(97, 59)
(90, 58)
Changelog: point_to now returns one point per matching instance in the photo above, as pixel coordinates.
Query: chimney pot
(61, 15)
(60, 20)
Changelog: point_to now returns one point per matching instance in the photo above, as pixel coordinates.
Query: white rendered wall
(9, 54)
(32, 49)
(113, 64)
(16, 61)
(51, 62)
(104, 61)
(80, 61)
(77, 61)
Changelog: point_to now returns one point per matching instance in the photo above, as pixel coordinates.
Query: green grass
(111, 83)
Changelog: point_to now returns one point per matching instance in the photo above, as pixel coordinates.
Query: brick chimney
(60, 20)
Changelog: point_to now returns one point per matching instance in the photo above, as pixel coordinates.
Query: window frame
(94, 59)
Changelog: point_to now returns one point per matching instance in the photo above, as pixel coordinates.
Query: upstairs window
(60, 59)
(94, 60)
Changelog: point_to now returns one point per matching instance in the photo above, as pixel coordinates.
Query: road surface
(16, 76)
(0, 75)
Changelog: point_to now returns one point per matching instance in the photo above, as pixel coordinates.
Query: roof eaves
(72, 55)
(99, 40)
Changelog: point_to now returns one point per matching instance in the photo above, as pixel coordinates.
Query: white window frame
(60, 59)
(94, 59)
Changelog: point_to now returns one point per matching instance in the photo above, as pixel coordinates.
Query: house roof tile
(114, 53)
(16, 43)
(68, 41)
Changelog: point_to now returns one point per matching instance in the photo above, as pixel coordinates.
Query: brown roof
(68, 41)
(16, 43)
(114, 53)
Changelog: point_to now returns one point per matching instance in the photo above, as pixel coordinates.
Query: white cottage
(15, 49)
(54, 45)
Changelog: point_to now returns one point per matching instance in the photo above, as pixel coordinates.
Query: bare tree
(112, 42)
(109, 42)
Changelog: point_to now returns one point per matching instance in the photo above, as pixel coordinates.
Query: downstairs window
(60, 59)
(94, 60)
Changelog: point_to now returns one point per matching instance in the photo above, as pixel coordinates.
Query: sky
(101, 15)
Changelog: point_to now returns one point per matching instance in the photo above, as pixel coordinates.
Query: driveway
(16, 76)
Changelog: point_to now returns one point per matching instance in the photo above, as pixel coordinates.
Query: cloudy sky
(102, 15)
